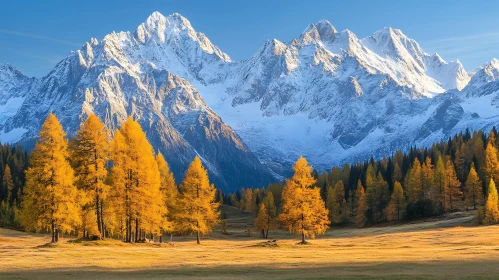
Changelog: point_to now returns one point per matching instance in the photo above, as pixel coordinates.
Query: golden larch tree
(270, 215)
(474, 193)
(89, 150)
(491, 160)
(360, 205)
(336, 203)
(136, 182)
(198, 209)
(439, 187)
(414, 182)
(170, 193)
(491, 206)
(262, 220)
(303, 210)
(50, 197)
(8, 184)
(397, 202)
(427, 177)
(452, 184)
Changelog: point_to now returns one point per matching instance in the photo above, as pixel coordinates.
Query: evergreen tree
(474, 193)
(50, 199)
(303, 209)
(198, 209)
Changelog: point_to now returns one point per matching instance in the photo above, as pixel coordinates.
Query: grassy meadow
(447, 247)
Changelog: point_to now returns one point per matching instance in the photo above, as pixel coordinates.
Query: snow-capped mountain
(327, 95)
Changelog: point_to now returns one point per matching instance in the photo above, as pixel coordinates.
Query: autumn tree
(360, 205)
(439, 187)
(8, 184)
(50, 197)
(270, 213)
(336, 203)
(474, 193)
(136, 183)
(414, 182)
(491, 206)
(248, 200)
(262, 220)
(198, 209)
(169, 191)
(452, 184)
(397, 202)
(428, 179)
(491, 160)
(89, 151)
(303, 210)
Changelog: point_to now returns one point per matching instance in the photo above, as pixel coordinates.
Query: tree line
(96, 186)
(453, 175)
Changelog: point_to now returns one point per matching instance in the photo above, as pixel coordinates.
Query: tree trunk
(56, 235)
(161, 238)
(137, 230)
(302, 237)
(53, 232)
(97, 214)
(197, 237)
(267, 234)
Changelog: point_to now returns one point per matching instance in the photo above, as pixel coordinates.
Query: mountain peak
(323, 31)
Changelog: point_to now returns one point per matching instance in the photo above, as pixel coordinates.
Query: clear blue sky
(35, 35)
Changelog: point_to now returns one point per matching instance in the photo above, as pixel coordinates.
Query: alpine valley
(327, 95)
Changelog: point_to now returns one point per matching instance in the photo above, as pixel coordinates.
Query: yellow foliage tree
(491, 160)
(336, 203)
(8, 184)
(397, 202)
(248, 200)
(452, 184)
(427, 177)
(89, 151)
(414, 182)
(268, 219)
(50, 197)
(439, 186)
(474, 193)
(491, 206)
(303, 209)
(360, 205)
(170, 194)
(198, 209)
(136, 183)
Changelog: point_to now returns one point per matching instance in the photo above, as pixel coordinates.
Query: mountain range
(327, 95)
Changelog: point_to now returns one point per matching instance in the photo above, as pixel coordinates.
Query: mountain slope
(327, 95)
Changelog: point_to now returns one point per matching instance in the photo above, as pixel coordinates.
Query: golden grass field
(445, 248)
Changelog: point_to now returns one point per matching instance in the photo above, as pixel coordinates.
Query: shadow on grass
(405, 270)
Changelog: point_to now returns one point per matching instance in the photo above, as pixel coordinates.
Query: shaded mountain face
(327, 95)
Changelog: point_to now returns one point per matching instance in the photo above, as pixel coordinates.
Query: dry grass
(450, 248)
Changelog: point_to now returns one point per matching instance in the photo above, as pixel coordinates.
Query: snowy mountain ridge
(327, 95)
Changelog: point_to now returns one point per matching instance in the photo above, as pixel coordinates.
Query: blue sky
(35, 35)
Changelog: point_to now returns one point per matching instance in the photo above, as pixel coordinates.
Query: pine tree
(170, 193)
(491, 206)
(452, 184)
(50, 197)
(8, 184)
(89, 151)
(198, 209)
(474, 193)
(360, 205)
(397, 202)
(303, 210)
